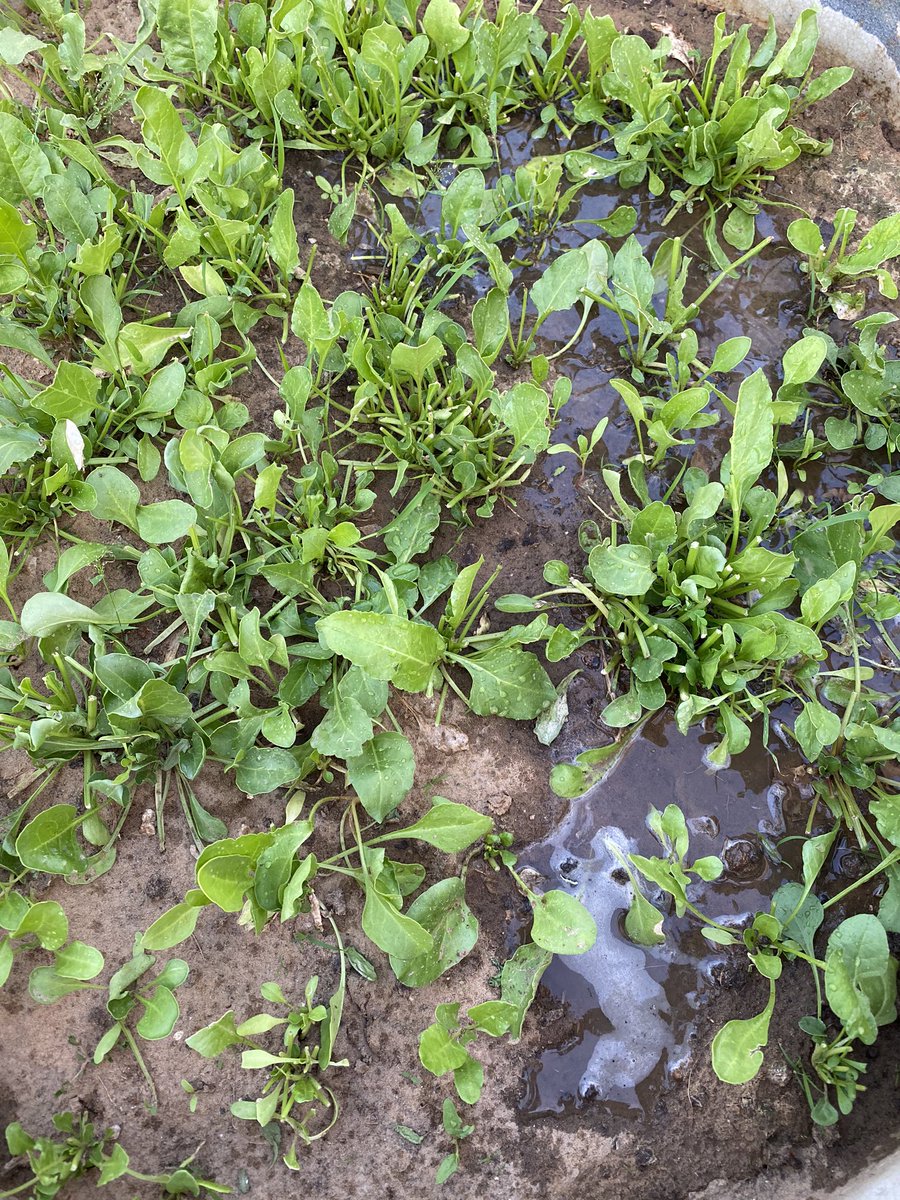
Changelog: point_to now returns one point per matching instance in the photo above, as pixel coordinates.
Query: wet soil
(677, 1131)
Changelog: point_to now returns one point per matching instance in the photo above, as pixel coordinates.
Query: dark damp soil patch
(696, 1132)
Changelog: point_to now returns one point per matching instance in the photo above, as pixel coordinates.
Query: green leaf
(739, 229)
(389, 929)
(490, 324)
(829, 81)
(114, 1167)
(161, 1011)
(6, 960)
(411, 531)
(449, 827)
(861, 977)
(889, 906)
(46, 986)
(622, 570)
(805, 236)
(525, 410)
(283, 248)
(345, 728)
(187, 34)
(47, 612)
(142, 348)
(752, 437)
(827, 545)
(385, 646)
(416, 361)
(492, 1017)
(382, 773)
(275, 866)
(508, 682)
(118, 496)
(439, 1053)
(445, 30)
(800, 915)
(23, 166)
(78, 961)
(559, 288)
(163, 133)
(72, 395)
(72, 560)
(163, 703)
(225, 880)
(643, 922)
(48, 842)
(213, 1039)
(165, 522)
(45, 921)
(173, 927)
(19, 337)
(442, 911)
(462, 202)
(122, 674)
(815, 728)
(469, 1080)
(519, 981)
(447, 1168)
(562, 924)
(204, 279)
(737, 1047)
(17, 445)
(107, 1042)
(620, 222)
(570, 780)
(654, 527)
(730, 354)
(793, 59)
(69, 209)
(802, 361)
(880, 244)
(409, 1134)
(263, 770)
(16, 46)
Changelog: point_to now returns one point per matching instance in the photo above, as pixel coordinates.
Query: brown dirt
(701, 1138)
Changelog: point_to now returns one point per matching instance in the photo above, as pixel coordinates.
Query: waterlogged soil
(610, 1091)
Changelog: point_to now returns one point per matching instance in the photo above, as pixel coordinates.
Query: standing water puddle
(633, 1007)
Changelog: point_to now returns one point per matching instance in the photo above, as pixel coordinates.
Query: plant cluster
(728, 599)
(81, 1150)
(711, 136)
(261, 594)
(857, 969)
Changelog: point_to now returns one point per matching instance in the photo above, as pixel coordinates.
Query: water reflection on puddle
(629, 1010)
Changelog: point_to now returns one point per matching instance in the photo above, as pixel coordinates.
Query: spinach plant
(691, 598)
(80, 1150)
(293, 1094)
(43, 924)
(858, 386)
(858, 971)
(713, 139)
(624, 283)
(832, 268)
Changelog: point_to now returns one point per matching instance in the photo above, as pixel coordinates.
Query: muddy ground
(689, 1134)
